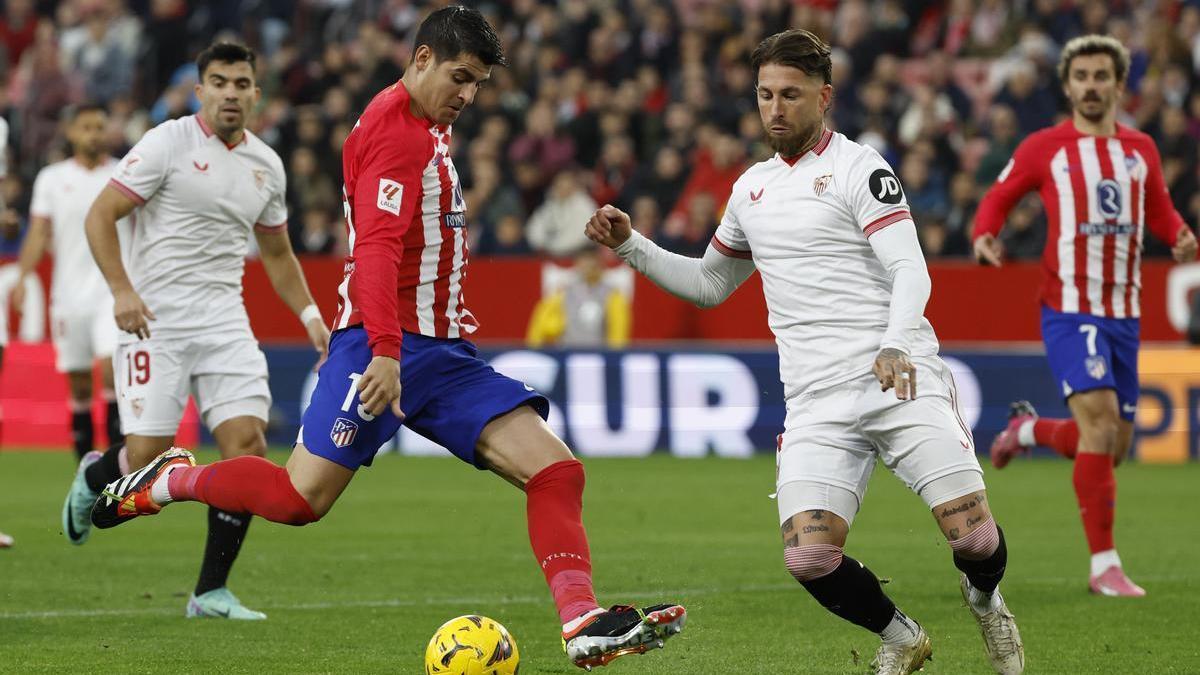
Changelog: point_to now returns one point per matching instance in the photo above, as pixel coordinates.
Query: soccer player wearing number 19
(398, 355)
(1102, 186)
(202, 186)
(825, 223)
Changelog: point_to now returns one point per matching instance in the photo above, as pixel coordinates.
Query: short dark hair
(453, 30)
(75, 111)
(797, 48)
(1087, 45)
(225, 52)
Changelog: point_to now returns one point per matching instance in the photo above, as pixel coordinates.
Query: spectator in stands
(1033, 104)
(17, 29)
(662, 181)
(1004, 140)
(644, 216)
(316, 234)
(1025, 236)
(613, 171)
(543, 145)
(689, 235)
(924, 195)
(587, 311)
(961, 212)
(100, 56)
(716, 164)
(556, 227)
(504, 239)
(940, 76)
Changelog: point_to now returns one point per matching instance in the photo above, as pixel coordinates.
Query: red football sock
(1096, 491)
(554, 507)
(245, 484)
(1061, 436)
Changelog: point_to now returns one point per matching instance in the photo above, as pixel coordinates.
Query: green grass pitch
(414, 542)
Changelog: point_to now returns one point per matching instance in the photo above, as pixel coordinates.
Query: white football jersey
(62, 193)
(805, 223)
(199, 201)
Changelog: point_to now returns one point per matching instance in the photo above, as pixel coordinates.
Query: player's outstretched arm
(283, 269)
(705, 282)
(32, 250)
(100, 225)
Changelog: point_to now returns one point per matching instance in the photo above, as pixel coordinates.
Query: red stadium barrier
(969, 304)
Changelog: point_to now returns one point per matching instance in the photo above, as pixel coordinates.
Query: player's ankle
(901, 630)
(160, 490)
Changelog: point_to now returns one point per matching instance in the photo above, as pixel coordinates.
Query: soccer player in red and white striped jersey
(397, 356)
(1102, 186)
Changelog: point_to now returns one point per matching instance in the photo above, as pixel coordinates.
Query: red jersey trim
(727, 250)
(273, 229)
(826, 137)
(127, 191)
(889, 219)
(209, 132)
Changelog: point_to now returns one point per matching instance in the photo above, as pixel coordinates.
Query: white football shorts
(832, 438)
(227, 376)
(82, 335)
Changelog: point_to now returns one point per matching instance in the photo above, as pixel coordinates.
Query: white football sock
(576, 622)
(158, 490)
(1025, 434)
(1104, 560)
(983, 603)
(900, 631)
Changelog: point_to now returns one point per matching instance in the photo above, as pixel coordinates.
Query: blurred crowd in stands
(645, 104)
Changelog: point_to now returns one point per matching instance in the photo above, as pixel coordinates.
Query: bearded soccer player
(399, 355)
(1102, 186)
(826, 224)
(202, 186)
(81, 316)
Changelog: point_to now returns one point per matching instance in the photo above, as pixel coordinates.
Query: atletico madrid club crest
(343, 432)
(1097, 367)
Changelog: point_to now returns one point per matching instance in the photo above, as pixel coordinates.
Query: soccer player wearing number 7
(201, 185)
(826, 224)
(399, 355)
(1102, 186)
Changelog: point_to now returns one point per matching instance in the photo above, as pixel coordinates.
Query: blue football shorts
(1093, 352)
(448, 394)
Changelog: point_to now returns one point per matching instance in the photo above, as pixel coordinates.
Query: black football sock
(226, 531)
(852, 592)
(81, 430)
(104, 470)
(112, 421)
(985, 574)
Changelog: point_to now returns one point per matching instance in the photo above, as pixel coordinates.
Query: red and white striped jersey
(406, 225)
(1100, 194)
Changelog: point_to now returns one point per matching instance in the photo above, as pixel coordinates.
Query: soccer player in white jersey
(825, 223)
(81, 318)
(201, 185)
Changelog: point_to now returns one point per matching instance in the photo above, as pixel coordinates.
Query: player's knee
(812, 561)
(301, 508)
(980, 543)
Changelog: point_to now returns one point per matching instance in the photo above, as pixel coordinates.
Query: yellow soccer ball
(472, 645)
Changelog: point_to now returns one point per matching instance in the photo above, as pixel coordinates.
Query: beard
(794, 143)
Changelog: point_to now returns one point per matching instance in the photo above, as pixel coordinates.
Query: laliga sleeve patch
(390, 194)
(885, 187)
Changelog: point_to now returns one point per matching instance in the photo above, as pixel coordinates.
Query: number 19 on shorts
(137, 367)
